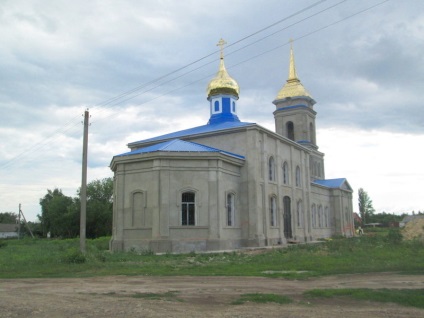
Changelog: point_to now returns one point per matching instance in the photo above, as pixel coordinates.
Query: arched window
(271, 166)
(273, 211)
(234, 107)
(298, 177)
(320, 217)
(326, 216)
(311, 133)
(314, 215)
(139, 217)
(230, 209)
(290, 130)
(188, 208)
(216, 106)
(299, 214)
(285, 173)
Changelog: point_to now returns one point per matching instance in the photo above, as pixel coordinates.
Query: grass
(404, 297)
(262, 298)
(29, 258)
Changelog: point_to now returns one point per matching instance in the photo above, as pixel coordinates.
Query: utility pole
(83, 192)
(26, 223)
(19, 223)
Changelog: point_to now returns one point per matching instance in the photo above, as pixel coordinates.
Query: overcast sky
(362, 61)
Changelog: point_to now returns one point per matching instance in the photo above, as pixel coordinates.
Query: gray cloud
(59, 57)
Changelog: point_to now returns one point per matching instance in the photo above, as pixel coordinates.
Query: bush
(3, 243)
(394, 236)
(74, 256)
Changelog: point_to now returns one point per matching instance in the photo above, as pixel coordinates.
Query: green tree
(385, 218)
(57, 215)
(60, 214)
(99, 207)
(8, 217)
(366, 209)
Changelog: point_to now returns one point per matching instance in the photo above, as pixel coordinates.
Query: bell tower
(295, 117)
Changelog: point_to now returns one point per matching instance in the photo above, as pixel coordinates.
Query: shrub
(394, 236)
(74, 256)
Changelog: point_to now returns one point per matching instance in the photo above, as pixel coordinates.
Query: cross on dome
(221, 44)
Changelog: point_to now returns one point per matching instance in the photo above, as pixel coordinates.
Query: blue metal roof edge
(331, 183)
(162, 147)
(195, 130)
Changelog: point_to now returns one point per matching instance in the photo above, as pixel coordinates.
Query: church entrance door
(287, 217)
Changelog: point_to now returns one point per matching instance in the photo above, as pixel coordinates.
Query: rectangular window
(273, 211)
(230, 209)
(188, 208)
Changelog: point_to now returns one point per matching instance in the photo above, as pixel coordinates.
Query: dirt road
(116, 296)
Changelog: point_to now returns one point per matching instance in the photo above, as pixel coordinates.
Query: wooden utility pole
(83, 191)
(25, 221)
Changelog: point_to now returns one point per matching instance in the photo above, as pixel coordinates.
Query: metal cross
(221, 44)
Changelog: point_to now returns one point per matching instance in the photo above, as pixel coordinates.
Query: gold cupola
(293, 87)
(222, 83)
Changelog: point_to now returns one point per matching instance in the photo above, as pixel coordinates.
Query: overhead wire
(264, 52)
(119, 99)
(130, 94)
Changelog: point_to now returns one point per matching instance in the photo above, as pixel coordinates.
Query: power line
(136, 91)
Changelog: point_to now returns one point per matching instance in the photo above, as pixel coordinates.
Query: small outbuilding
(8, 230)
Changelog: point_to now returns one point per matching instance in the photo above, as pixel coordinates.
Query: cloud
(59, 58)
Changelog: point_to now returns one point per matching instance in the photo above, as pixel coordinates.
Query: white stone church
(230, 184)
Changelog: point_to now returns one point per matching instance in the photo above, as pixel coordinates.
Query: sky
(142, 68)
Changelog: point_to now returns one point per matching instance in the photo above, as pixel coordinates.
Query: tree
(99, 208)
(8, 217)
(57, 215)
(365, 205)
(61, 214)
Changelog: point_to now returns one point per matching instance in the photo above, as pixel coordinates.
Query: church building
(230, 184)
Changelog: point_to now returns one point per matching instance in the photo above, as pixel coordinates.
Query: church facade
(230, 184)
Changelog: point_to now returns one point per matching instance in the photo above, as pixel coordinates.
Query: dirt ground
(115, 296)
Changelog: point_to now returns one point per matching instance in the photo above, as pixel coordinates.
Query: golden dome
(222, 83)
(293, 87)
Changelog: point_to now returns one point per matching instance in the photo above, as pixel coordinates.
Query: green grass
(60, 258)
(262, 298)
(405, 297)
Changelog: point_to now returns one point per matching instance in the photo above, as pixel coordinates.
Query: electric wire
(126, 95)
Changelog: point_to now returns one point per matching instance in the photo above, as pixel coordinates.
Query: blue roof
(177, 145)
(196, 130)
(334, 183)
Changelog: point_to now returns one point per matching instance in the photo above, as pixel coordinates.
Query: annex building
(230, 184)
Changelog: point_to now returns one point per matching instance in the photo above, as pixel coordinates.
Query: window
(326, 216)
(216, 106)
(273, 211)
(230, 209)
(285, 173)
(311, 133)
(271, 166)
(320, 217)
(298, 178)
(290, 130)
(188, 208)
(234, 107)
(299, 214)
(314, 215)
(287, 217)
